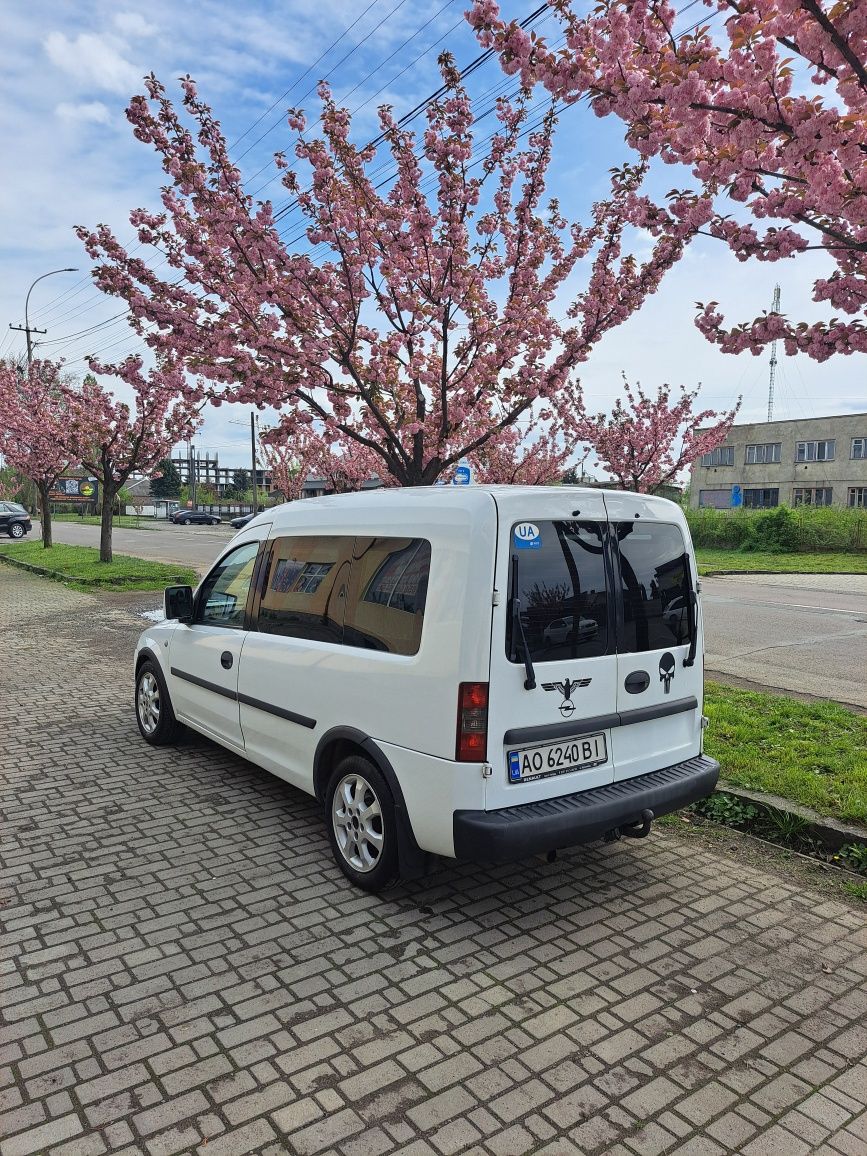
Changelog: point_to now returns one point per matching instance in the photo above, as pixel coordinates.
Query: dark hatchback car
(194, 518)
(14, 520)
(241, 521)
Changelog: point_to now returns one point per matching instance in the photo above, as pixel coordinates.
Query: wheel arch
(335, 745)
(145, 655)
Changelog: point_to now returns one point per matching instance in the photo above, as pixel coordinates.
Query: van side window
(304, 591)
(655, 586)
(388, 592)
(224, 592)
(563, 592)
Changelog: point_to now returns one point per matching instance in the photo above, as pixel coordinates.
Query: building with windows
(819, 461)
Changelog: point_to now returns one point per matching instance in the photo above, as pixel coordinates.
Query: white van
(482, 672)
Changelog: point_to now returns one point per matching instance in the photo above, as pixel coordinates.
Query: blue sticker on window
(526, 536)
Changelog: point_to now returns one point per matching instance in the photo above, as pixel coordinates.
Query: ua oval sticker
(526, 536)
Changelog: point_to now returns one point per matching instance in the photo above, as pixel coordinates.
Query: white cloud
(132, 24)
(93, 111)
(94, 61)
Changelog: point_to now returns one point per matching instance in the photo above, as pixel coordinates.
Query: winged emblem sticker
(567, 706)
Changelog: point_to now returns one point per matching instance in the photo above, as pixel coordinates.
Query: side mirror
(178, 602)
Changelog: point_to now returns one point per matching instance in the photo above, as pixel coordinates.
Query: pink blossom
(722, 100)
(420, 329)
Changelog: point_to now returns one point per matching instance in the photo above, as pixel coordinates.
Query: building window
(859, 448)
(715, 499)
(815, 451)
(858, 496)
(811, 496)
(722, 456)
(763, 454)
(761, 499)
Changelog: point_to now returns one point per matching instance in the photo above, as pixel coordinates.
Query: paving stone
(182, 961)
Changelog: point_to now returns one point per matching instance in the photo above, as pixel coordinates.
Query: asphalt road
(796, 632)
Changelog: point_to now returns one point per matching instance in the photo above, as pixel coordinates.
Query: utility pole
(253, 446)
(27, 328)
(775, 308)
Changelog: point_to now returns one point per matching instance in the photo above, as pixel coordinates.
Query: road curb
(96, 583)
(832, 833)
(703, 573)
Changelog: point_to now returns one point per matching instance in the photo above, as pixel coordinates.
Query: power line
(342, 60)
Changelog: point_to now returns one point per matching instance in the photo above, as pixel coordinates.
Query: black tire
(365, 848)
(153, 708)
(16, 530)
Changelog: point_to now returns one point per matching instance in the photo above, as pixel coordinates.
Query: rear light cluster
(471, 745)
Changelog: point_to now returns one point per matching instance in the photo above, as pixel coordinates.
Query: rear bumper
(549, 825)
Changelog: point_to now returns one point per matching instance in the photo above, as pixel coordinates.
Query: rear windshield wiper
(691, 625)
(518, 629)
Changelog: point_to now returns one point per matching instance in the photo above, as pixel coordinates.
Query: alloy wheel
(356, 816)
(148, 703)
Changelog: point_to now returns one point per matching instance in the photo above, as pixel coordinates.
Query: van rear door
(553, 605)
(659, 690)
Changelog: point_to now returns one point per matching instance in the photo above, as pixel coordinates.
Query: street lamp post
(26, 327)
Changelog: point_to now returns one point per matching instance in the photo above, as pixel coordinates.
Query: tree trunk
(109, 493)
(44, 514)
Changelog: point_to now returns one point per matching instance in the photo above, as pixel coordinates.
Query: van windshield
(562, 590)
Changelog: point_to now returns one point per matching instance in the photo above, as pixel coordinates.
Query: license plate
(557, 758)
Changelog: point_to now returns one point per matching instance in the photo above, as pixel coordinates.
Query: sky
(68, 70)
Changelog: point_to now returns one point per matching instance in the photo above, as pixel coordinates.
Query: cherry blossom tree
(297, 453)
(113, 440)
(769, 112)
(34, 420)
(645, 444)
(534, 454)
(419, 327)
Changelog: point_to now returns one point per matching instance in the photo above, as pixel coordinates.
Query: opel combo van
(485, 673)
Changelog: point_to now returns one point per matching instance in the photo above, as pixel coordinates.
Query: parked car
(240, 522)
(14, 520)
(560, 630)
(372, 650)
(195, 518)
(675, 616)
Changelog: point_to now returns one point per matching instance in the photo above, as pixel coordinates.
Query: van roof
(449, 497)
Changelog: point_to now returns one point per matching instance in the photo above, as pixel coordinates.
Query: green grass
(721, 560)
(123, 521)
(812, 753)
(82, 569)
(856, 890)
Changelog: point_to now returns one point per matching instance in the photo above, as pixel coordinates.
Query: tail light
(471, 745)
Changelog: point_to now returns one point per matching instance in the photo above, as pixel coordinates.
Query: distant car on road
(14, 520)
(241, 521)
(195, 518)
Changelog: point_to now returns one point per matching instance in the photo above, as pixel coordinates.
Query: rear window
(304, 593)
(388, 593)
(361, 592)
(562, 589)
(655, 586)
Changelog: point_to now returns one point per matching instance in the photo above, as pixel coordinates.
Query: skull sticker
(666, 669)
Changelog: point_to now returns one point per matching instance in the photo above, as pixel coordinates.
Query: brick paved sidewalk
(183, 968)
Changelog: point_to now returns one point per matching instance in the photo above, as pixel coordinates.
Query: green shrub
(854, 856)
(806, 529)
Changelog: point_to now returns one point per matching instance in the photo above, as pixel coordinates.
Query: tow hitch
(633, 830)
